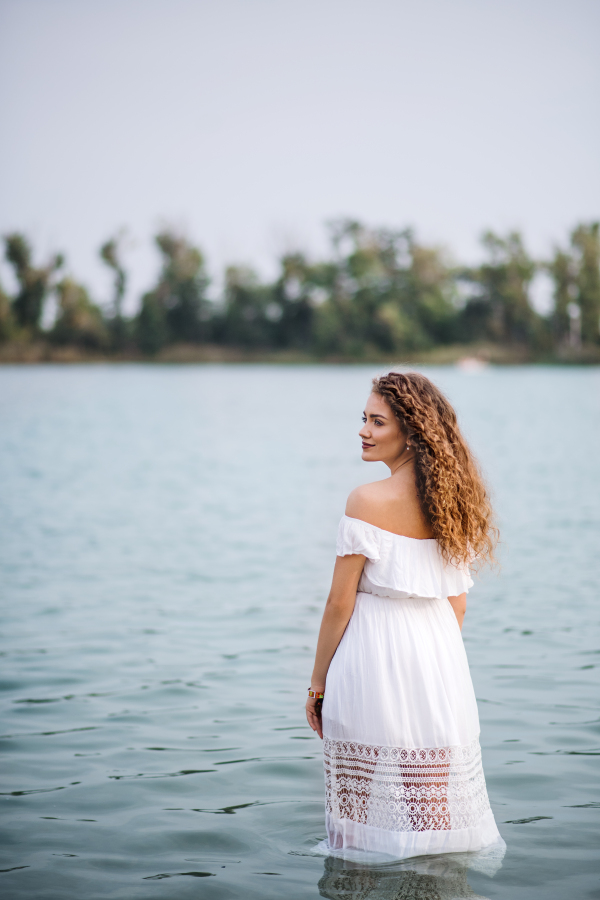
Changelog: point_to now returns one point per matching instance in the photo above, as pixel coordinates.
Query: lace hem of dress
(405, 789)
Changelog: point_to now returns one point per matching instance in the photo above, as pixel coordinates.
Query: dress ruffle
(356, 536)
(399, 566)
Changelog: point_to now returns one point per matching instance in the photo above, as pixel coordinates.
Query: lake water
(167, 540)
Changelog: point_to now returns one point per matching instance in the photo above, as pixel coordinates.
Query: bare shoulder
(391, 506)
(365, 501)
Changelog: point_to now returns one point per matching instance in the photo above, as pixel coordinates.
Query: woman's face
(382, 437)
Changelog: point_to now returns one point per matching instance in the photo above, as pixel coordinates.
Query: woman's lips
(367, 446)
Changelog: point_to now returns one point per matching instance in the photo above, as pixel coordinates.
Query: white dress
(403, 770)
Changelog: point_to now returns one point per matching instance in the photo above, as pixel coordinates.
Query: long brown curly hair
(451, 490)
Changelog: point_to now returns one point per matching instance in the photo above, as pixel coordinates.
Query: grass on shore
(14, 352)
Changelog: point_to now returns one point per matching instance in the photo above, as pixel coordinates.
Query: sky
(249, 124)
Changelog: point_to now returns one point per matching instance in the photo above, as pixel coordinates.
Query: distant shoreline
(468, 355)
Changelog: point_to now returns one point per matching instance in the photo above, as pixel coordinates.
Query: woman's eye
(364, 419)
(378, 423)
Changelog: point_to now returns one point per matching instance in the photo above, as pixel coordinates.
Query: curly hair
(451, 490)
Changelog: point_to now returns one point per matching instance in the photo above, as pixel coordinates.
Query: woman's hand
(313, 715)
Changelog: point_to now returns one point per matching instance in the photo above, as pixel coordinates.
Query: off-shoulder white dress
(403, 769)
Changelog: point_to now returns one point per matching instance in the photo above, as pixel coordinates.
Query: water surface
(167, 539)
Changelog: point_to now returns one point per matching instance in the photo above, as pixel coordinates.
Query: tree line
(379, 291)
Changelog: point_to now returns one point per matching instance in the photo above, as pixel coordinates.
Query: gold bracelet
(316, 694)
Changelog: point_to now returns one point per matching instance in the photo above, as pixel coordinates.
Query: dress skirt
(403, 771)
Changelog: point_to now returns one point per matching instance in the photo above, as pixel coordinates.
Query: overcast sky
(250, 123)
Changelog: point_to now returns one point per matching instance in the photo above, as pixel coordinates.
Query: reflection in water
(444, 878)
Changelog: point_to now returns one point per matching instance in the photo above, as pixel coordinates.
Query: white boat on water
(472, 364)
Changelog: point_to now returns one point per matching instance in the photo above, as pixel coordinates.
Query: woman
(399, 719)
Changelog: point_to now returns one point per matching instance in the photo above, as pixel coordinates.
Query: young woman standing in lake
(399, 719)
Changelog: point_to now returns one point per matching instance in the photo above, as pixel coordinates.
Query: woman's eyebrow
(373, 416)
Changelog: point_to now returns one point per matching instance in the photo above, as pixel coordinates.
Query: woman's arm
(338, 610)
(459, 605)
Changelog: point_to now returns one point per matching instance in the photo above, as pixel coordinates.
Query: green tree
(431, 293)
(502, 307)
(585, 240)
(7, 324)
(387, 293)
(563, 271)
(291, 309)
(34, 282)
(182, 288)
(250, 314)
(152, 332)
(111, 254)
(177, 308)
(79, 321)
(363, 281)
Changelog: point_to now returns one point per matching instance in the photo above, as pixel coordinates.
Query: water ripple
(167, 569)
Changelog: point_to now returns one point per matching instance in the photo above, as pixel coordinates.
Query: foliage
(7, 323)
(34, 282)
(384, 292)
(500, 308)
(379, 292)
(177, 308)
(585, 241)
(562, 270)
(244, 320)
(111, 254)
(576, 275)
(79, 321)
(151, 324)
